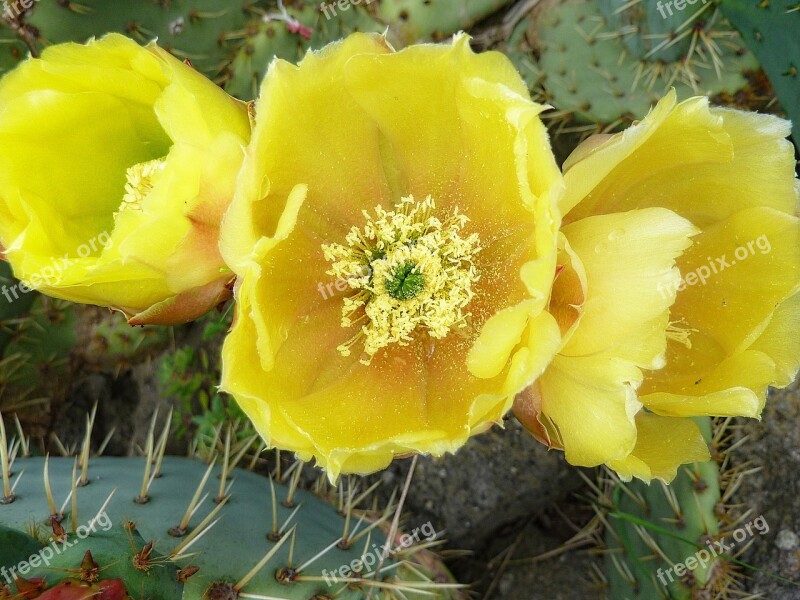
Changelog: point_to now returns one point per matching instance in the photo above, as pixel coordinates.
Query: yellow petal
(70, 199)
(685, 158)
(663, 444)
(499, 337)
(781, 342)
(631, 280)
(731, 173)
(182, 108)
(592, 403)
(113, 65)
(596, 158)
(735, 276)
(305, 108)
(541, 341)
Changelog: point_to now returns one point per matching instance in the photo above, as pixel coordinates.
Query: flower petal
(685, 158)
(301, 114)
(480, 106)
(184, 307)
(735, 276)
(663, 444)
(499, 337)
(780, 341)
(631, 278)
(591, 401)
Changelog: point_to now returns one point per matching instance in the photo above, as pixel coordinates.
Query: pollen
(408, 271)
(141, 179)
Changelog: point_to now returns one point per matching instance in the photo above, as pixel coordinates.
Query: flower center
(407, 270)
(142, 179)
(405, 283)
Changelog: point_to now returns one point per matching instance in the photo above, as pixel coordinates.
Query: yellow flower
(678, 296)
(116, 165)
(394, 238)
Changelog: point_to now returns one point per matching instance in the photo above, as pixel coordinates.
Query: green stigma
(406, 282)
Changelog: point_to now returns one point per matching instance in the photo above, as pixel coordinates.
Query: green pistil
(405, 283)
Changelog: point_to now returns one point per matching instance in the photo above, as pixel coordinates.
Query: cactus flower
(116, 164)
(678, 290)
(394, 238)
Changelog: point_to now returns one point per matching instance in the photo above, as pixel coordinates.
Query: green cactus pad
(12, 49)
(652, 528)
(16, 546)
(586, 69)
(234, 540)
(39, 347)
(654, 30)
(772, 32)
(197, 30)
(413, 20)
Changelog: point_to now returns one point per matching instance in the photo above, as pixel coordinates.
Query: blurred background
(521, 524)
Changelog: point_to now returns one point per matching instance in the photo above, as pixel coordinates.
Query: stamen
(680, 334)
(408, 270)
(142, 179)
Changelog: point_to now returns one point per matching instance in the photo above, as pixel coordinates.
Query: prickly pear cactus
(413, 20)
(772, 32)
(12, 50)
(38, 335)
(115, 345)
(654, 531)
(288, 35)
(234, 41)
(14, 305)
(170, 528)
(604, 64)
(649, 29)
(197, 30)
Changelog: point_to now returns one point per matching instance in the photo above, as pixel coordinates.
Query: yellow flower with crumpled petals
(678, 295)
(116, 164)
(394, 238)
